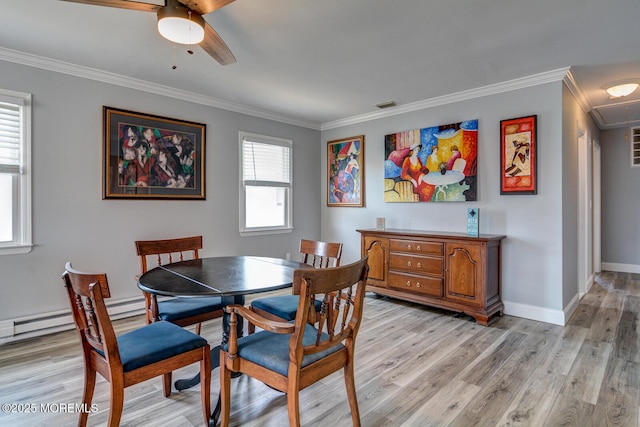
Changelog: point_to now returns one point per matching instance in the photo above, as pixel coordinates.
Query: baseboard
(573, 305)
(589, 284)
(622, 268)
(532, 312)
(57, 321)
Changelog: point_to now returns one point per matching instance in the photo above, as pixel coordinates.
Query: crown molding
(49, 64)
(561, 74)
(573, 87)
(510, 85)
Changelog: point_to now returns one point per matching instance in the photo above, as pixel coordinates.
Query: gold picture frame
(345, 172)
(152, 157)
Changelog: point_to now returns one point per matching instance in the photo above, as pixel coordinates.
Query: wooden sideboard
(453, 271)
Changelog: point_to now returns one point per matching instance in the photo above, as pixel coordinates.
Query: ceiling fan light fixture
(180, 25)
(621, 87)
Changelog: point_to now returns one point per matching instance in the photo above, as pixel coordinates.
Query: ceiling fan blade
(122, 4)
(205, 6)
(216, 47)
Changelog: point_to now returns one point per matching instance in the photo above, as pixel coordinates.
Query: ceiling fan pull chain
(174, 58)
(189, 49)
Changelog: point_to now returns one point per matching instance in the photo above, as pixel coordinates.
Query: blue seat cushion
(283, 306)
(272, 350)
(175, 309)
(155, 342)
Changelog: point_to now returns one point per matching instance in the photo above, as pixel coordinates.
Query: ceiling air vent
(386, 104)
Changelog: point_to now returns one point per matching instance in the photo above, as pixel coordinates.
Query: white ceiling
(314, 62)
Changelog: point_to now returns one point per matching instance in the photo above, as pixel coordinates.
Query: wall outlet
(287, 256)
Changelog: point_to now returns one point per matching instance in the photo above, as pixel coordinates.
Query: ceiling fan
(181, 21)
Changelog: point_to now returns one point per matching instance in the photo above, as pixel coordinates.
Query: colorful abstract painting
(435, 164)
(345, 172)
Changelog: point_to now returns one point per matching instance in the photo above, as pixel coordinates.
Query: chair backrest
(459, 164)
(87, 292)
(321, 254)
(168, 250)
(342, 291)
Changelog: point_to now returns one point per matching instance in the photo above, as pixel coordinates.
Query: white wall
(532, 253)
(71, 221)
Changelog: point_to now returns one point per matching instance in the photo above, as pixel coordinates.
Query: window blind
(10, 137)
(265, 163)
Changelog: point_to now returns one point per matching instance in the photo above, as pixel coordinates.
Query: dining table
(229, 277)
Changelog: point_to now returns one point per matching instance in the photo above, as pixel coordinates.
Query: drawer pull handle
(419, 248)
(419, 265)
(408, 263)
(409, 283)
(409, 247)
(418, 285)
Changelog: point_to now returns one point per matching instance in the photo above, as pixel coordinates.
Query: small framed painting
(345, 172)
(518, 159)
(152, 157)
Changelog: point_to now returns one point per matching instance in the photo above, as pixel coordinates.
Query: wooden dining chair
(181, 311)
(136, 356)
(290, 356)
(284, 307)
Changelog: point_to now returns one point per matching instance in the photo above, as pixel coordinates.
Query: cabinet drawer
(417, 264)
(416, 247)
(418, 284)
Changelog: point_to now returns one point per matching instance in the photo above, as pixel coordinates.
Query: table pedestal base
(184, 384)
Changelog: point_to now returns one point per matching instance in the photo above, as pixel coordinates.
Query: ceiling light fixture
(621, 88)
(180, 25)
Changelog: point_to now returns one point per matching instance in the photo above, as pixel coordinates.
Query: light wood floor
(415, 366)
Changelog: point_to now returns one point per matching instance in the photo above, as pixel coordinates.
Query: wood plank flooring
(415, 366)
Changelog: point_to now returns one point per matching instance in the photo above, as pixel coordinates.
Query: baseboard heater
(56, 321)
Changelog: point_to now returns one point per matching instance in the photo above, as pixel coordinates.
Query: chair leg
(225, 390)
(205, 384)
(349, 379)
(166, 384)
(293, 402)
(117, 402)
(87, 394)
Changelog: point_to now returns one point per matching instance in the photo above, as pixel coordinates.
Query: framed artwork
(434, 164)
(345, 172)
(518, 161)
(152, 157)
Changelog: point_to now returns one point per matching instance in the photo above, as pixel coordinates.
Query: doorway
(588, 210)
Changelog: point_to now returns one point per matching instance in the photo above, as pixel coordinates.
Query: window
(15, 172)
(635, 147)
(265, 175)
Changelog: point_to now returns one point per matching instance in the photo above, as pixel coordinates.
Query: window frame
(22, 215)
(288, 226)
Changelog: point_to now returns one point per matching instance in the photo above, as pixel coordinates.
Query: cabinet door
(463, 277)
(376, 249)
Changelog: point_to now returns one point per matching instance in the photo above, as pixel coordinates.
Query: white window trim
(24, 217)
(264, 230)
